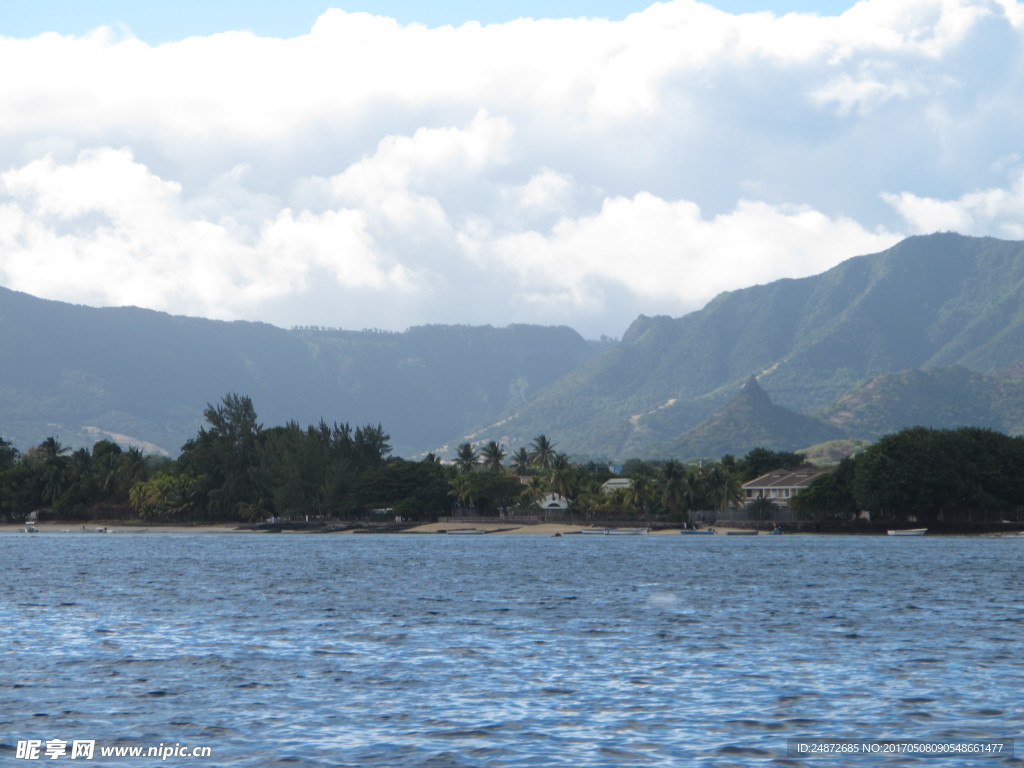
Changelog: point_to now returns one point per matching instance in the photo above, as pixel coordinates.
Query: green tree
(531, 495)
(542, 452)
(829, 495)
(560, 475)
(640, 494)
(761, 461)
(8, 455)
(493, 454)
(227, 452)
(763, 508)
(165, 497)
(521, 461)
(932, 475)
(466, 458)
(723, 489)
(675, 489)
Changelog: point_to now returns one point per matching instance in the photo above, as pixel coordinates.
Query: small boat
(465, 531)
(31, 529)
(909, 532)
(614, 531)
(741, 533)
(706, 532)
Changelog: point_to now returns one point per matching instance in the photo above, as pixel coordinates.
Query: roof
(615, 483)
(554, 501)
(788, 478)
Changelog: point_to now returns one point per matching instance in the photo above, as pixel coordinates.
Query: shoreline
(77, 527)
(518, 529)
(496, 528)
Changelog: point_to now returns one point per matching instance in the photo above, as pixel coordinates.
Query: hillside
(144, 377)
(747, 422)
(944, 398)
(932, 301)
(928, 332)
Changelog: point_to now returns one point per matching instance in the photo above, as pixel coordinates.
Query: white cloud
(670, 256)
(376, 174)
(104, 229)
(997, 211)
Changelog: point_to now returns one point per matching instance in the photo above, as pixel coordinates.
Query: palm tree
(462, 490)
(532, 495)
(764, 507)
(724, 488)
(50, 448)
(542, 452)
(675, 486)
(560, 475)
(641, 489)
(492, 455)
(521, 461)
(466, 458)
(132, 467)
(54, 477)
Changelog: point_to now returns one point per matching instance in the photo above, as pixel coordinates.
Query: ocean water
(438, 651)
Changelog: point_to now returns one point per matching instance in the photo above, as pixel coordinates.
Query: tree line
(234, 469)
(970, 474)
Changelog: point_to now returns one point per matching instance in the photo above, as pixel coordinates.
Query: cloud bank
(575, 171)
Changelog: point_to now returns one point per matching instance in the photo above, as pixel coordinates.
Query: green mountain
(143, 377)
(928, 332)
(749, 421)
(929, 302)
(944, 398)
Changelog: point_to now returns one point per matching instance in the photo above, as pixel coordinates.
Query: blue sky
(158, 22)
(339, 169)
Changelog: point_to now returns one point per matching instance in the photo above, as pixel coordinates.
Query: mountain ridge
(930, 301)
(146, 376)
(829, 348)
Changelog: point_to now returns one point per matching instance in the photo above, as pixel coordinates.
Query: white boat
(909, 532)
(614, 531)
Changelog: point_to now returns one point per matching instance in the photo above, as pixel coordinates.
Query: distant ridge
(930, 331)
(143, 378)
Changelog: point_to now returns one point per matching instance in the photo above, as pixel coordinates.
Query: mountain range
(935, 322)
(928, 332)
(143, 378)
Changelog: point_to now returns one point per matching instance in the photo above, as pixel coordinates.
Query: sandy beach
(59, 527)
(539, 529)
(548, 529)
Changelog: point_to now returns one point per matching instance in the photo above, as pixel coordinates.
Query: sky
(390, 164)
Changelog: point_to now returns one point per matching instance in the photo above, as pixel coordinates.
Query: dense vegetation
(926, 476)
(234, 469)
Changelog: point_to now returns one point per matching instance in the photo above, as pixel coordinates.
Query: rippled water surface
(435, 651)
